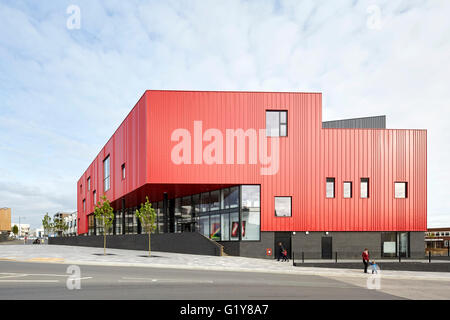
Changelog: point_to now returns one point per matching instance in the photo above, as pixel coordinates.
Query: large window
(283, 206)
(250, 212)
(118, 220)
(364, 188)
(130, 221)
(234, 223)
(215, 200)
(330, 188)
(400, 190)
(225, 221)
(276, 123)
(204, 202)
(204, 225)
(215, 227)
(91, 225)
(231, 197)
(106, 173)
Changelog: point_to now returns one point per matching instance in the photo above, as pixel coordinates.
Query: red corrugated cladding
(308, 155)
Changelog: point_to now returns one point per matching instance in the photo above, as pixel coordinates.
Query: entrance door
(285, 239)
(327, 249)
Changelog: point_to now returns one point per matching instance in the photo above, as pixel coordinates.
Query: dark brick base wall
(251, 249)
(348, 245)
(188, 242)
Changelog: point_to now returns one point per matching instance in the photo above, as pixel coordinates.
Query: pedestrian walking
(280, 251)
(365, 257)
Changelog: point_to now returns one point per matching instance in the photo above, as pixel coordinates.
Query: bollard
(303, 257)
(448, 250)
(429, 256)
(293, 258)
(336, 257)
(399, 257)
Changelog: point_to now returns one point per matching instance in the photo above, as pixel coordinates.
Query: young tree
(15, 229)
(104, 214)
(47, 224)
(59, 225)
(147, 215)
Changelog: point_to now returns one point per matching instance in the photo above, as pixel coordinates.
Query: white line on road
(127, 279)
(13, 280)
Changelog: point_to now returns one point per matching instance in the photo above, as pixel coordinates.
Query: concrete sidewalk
(135, 258)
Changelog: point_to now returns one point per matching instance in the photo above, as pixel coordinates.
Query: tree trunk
(149, 244)
(104, 243)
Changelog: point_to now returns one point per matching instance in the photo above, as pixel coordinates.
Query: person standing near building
(365, 257)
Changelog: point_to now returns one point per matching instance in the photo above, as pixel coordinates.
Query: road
(22, 280)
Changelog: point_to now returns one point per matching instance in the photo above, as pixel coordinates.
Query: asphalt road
(21, 280)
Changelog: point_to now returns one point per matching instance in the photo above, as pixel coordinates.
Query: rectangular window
(225, 220)
(106, 173)
(364, 188)
(84, 205)
(94, 197)
(215, 200)
(400, 190)
(276, 123)
(215, 227)
(347, 189)
(231, 197)
(204, 226)
(89, 183)
(283, 206)
(330, 188)
(234, 223)
(123, 171)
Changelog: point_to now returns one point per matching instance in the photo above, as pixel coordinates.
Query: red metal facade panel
(127, 145)
(308, 155)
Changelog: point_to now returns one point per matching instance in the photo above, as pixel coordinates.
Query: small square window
(400, 190)
(364, 188)
(347, 189)
(283, 206)
(276, 123)
(330, 188)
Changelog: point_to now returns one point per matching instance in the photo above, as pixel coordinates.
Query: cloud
(63, 92)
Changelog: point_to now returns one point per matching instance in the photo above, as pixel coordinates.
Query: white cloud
(63, 92)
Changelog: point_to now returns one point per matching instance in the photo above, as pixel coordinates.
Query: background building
(437, 240)
(5, 223)
(71, 222)
(24, 229)
(339, 186)
(61, 216)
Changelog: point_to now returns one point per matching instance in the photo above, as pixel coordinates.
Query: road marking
(128, 279)
(13, 280)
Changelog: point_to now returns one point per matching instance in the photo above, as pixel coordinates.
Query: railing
(302, 257)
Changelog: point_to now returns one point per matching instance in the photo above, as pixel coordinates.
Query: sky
(69, 77)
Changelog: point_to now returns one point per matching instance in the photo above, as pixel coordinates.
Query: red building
(206, 164)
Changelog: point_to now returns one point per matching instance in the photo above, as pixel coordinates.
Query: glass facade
(229, 214)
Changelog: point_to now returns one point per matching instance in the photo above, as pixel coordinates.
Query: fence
(339, 257)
